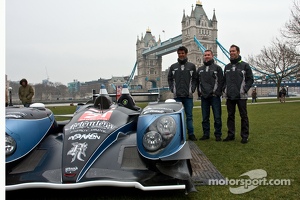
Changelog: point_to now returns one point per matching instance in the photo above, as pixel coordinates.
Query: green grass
(62, 110)
(273, 146)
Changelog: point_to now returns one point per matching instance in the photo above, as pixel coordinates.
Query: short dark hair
(208, 50)
(237, 48)
(182, 48)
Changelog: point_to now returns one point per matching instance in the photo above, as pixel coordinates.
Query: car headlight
(10, 145)
(152, 141)
(159, 133)
(166, 126)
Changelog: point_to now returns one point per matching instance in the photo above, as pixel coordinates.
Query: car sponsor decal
(93, 114)
(71, 169)
(151, 110)
(91, 126)
(77, 151)
(89, 136)
(16, 115)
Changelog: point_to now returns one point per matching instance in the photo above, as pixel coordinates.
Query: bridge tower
(149, 68)
(149, 52)
(205, 30)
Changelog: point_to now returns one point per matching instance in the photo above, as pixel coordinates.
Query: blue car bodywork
(115, 146)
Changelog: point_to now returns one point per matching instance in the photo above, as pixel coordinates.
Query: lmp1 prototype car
(103, 144)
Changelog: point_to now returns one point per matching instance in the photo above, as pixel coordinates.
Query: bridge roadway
(164, 48)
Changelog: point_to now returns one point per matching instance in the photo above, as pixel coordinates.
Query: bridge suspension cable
(202, 48)
(132, 74)
(226, 53)
(223, 49)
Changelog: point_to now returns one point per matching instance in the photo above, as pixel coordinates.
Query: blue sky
(86, 40)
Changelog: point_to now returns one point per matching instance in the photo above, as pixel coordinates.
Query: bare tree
(39, 92)
(278, 62)
(62, 91)
(291, 30)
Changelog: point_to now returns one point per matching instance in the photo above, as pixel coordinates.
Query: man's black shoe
(244, 140)
(218, 139)
(204, 137)
(192, 137)
(228, 139)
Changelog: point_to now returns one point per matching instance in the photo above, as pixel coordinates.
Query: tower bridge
(149, 52)
(198, 33)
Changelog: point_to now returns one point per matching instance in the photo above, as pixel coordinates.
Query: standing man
(254, 95)
(282, 94)
(26, 93)
(209, 88)
(238, 79)
(6, 97)
(182, 83)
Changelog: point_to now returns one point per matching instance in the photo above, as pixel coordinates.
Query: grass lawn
(273, 146)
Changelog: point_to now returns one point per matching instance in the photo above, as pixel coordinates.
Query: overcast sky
(86, 40)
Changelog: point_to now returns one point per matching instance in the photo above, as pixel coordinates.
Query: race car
(105, 143)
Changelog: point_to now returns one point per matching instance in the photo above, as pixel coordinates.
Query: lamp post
(10, 100)
(158, 96)
(261, 88)
(58, 92)
(287, 91)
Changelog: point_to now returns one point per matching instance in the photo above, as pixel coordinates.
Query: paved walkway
(287, 101)
(203, 169)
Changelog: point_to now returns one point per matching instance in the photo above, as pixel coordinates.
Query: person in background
(282, 94)
(238, 79)
(182, 80)
(6, 97)
(254, 95)
(26, 93)
(209, 88)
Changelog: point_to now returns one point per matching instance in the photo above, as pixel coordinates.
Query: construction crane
(47, 73)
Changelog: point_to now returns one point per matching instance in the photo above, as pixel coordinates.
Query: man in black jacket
(238, 79)
(209, 88)
(182, 83)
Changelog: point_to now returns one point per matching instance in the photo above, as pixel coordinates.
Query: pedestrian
(282, 94)
(182, 80)
(209, 89)
(6, 97)
(238, 79)
(254, 95)
(26, 93)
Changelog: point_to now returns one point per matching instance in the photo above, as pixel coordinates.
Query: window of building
(152, 71)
